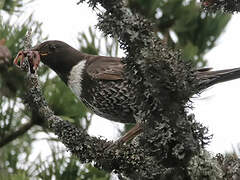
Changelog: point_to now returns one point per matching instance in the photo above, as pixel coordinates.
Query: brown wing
(108, 68)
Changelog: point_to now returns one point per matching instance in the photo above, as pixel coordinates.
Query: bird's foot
(33, 59)
(131, 134)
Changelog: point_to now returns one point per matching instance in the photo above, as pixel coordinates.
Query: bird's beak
(43, 54)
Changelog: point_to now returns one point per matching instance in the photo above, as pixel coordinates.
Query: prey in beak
(33, 59)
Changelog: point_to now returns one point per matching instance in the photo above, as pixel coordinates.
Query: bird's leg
(131, 134)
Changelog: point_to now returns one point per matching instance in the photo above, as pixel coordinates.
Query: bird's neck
(65, 64)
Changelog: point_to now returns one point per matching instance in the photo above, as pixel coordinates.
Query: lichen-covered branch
(229, 6)
(130, 160)
(163, 84)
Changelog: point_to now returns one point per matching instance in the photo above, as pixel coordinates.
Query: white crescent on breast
(75, 78)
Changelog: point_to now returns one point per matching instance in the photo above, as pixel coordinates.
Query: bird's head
(57, 55)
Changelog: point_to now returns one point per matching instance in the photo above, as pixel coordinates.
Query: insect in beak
(33, 59)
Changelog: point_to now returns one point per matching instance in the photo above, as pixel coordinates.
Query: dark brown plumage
(98, 81)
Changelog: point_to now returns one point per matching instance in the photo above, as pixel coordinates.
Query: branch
(13, 135)
(229, 6)
(130, 160)
(162, 84)
(36, 120)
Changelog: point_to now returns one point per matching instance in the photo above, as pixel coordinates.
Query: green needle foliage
(182, 24)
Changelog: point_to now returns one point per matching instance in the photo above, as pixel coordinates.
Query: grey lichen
(204, 166)
(163, 84)
(229, 6)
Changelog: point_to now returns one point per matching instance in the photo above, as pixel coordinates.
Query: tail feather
(209, 78)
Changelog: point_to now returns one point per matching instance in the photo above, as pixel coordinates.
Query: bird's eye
(52, 47)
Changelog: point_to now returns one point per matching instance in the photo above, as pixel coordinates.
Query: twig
(13, 135)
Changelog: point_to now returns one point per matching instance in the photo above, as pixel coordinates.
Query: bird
(98, 81)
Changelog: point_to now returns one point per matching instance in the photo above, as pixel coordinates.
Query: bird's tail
(209, 78)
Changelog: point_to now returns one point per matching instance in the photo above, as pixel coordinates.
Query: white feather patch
(75, 78)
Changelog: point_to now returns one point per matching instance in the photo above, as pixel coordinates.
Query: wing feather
(107, 68)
